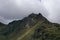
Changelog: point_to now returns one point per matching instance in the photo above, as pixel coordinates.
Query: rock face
(44, 31)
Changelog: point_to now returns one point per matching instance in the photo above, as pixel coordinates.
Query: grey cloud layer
(11, 9)
(17, 9)
(53, 7)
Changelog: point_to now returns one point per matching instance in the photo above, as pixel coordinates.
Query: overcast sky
(17, 9)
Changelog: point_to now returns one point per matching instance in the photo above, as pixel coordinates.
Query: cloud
(53, 7)
(5, 21)
(12, 9)
(17, 9)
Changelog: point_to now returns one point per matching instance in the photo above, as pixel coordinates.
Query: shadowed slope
(33, 27)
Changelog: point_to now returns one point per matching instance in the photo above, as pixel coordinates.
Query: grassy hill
(33, 27)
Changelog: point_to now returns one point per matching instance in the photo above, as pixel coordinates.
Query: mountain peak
(32, 15)
(35, 25)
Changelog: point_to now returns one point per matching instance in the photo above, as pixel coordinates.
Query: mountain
(32, 27)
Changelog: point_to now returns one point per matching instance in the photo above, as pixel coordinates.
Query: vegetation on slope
(33, 27)
(47, 32)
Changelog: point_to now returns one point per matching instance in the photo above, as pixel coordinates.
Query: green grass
(29, 33)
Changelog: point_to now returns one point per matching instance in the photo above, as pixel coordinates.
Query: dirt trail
(29, 31)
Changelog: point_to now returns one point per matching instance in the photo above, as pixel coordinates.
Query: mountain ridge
(37, 22)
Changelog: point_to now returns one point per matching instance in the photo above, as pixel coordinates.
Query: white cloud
(5, 21)
(53, 7)
(17, 9)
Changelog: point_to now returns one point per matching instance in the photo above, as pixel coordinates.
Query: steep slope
(33, 27)
(47, 32)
